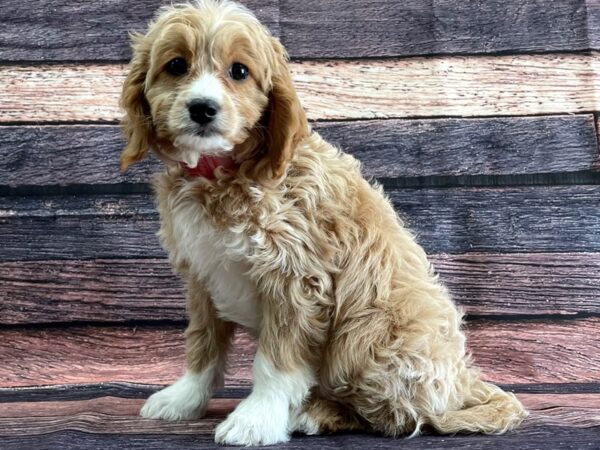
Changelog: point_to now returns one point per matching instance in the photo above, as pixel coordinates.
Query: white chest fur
(214, 258)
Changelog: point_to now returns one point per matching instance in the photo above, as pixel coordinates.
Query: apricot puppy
(274, 229)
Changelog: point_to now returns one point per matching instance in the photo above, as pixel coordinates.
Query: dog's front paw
(254, 423)
(184, 400)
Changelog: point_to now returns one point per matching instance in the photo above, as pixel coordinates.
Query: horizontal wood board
(339, 89)
(358, 28)
(89, 154)
(537, 219)
(110, 415)
(542, 437)
(147, 290)
(528, 352)
(59, 30)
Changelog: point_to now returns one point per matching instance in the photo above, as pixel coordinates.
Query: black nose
(203, 111)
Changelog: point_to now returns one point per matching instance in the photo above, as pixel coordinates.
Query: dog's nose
(203, 111)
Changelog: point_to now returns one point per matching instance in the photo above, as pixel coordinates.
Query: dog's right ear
(137, 122)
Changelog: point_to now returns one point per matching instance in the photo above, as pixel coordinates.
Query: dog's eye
(238, 71)
(176, 67)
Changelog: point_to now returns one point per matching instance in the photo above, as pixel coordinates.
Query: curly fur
(344, 301)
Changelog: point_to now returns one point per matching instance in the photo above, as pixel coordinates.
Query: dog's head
(208, 78)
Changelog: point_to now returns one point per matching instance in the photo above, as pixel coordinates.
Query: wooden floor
(95, 417)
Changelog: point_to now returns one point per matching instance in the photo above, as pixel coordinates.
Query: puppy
(275, 230)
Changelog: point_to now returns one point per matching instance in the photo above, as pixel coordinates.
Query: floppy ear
(137, 122)
(287, 121)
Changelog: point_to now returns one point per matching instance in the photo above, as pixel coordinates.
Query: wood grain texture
(37, 30)
(359, 28)
(100, 290)
(507, 352)
(535, 438)
(81, 154)
(58, 30)
(524, 284)
(121, 389)
(414, 87)
(453, 220)
(116, 415)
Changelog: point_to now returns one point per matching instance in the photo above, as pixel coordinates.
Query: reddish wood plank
(146, 289)
(511, 353)
(522, 283)
(414, 87)
(117, 415)
(99, 290)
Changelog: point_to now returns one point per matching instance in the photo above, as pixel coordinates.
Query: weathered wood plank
(146, 289)
(522, 284)
(454, 220)
(115, 415)
(358, 28)
(413, 87)
(120, 389)
(524, 219)
(81, 154)
(507, 352)
(100, 290)
(558, 438)
(546, 437)
(37, 30)
(40, 30)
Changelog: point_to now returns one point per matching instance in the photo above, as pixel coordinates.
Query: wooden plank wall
(479, 118)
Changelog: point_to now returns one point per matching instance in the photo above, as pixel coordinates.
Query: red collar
(207, 164)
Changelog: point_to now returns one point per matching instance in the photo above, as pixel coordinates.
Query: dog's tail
(487, 409)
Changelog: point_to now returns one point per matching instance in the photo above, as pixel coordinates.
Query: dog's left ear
(137, 122)
(287, 120)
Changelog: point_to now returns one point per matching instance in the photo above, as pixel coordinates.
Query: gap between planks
(413, 87)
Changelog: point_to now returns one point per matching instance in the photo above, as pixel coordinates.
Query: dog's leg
(207, 339)
(263, 418)
(283, 370)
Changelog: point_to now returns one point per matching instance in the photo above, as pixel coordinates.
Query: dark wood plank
(80, 154)
(358, 28)
(120, 389)
(59, 30)
(536, 438)
(453, 220)
(515, 145)
(146, 289)
(507, 352)
(37, 30)
(512, 219)
(114, 415)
